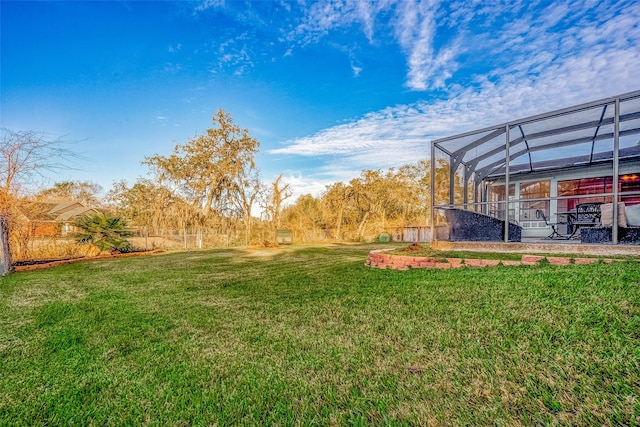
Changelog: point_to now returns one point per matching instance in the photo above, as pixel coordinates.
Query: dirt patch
(414, 247)
(261, 251)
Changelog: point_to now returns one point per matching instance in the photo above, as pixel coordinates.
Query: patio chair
(588, 213)
(554, 230)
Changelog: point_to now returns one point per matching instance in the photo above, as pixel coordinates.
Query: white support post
(506, 186)
(433, 192)
(616, 160)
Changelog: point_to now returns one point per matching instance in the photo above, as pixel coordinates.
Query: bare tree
(24, 155)
(278, 195)
(249, 189)
(335, 199)
(27, 154)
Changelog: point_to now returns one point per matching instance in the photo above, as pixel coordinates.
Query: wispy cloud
(209, 4)
(356, 70)
(323, 16)
(413, 23)
(172, 68)
(301, 185)
(409, 24)
(233, 54)
(415, 27)
(548, 67)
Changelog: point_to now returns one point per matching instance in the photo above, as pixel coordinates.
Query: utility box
(284, 237)
(384, 238)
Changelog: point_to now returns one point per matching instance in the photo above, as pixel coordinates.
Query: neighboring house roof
(63, 206)
(55, 210)
(75, 212)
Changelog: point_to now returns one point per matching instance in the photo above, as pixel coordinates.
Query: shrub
(105, 232)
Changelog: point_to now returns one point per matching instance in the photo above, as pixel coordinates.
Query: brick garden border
(380, 259)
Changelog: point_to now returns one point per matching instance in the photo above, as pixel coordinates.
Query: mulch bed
(29, 265)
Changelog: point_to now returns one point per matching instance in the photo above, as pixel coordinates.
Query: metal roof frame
(473, 163)
(489, 151)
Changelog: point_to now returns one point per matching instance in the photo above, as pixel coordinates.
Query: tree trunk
(5, 251)
(362, 224)
(185, 238)
(339, 223)
(247, 222)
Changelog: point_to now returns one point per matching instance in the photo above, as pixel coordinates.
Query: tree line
(210, 188)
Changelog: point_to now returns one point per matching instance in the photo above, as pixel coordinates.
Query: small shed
(284, 236)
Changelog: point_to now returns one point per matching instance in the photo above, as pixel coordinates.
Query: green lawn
(309, 336)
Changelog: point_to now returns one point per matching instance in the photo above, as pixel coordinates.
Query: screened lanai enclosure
(571, 174)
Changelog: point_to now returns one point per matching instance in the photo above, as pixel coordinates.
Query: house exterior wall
(46, 229)
(536, 227)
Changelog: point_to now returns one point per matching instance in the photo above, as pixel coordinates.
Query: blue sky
(328, 87)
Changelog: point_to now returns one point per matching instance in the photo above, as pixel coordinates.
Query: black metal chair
(554, 230)
(587, 215)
